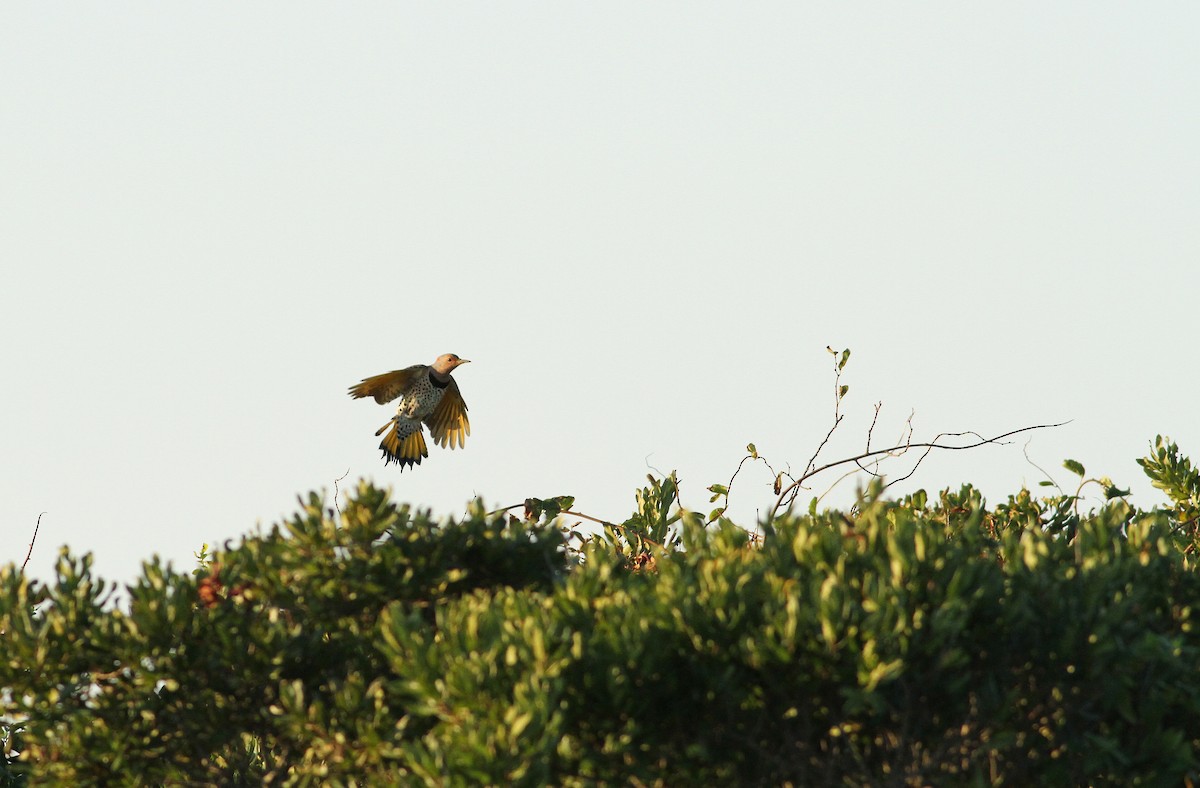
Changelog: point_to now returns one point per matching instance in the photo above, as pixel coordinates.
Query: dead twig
(921, 459)
(1028, 459)
(31, 541)
(335, 491)
(874, 421)
(790, 489)
(837, 420)
(646, 460)
(904, 440)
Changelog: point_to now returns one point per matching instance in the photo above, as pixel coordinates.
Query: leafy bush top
(913, 641)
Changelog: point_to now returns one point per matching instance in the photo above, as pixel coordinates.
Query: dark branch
(31, 541)
(870, 432)
(790, 489)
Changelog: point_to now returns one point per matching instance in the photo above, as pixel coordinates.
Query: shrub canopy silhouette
(924, 640)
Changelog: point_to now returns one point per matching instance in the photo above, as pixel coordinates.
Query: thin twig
(911, 470)
(1025, 451)
(646, 460)
(796, 485)
(875, 418)
(921, 459)
(828, 435)
(335, 491)
(838, 481)
(729, 487)
(31, 541)
(837, 410)
(870, 432)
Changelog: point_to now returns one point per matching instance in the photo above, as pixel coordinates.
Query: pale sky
(643, 222)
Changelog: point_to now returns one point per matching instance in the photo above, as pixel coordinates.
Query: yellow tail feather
(405, 452)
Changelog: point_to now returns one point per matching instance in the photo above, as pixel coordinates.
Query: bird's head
(447, 362)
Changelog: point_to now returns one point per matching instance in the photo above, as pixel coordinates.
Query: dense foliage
(927, 640)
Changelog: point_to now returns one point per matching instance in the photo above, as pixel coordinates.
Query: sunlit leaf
(1074, 467)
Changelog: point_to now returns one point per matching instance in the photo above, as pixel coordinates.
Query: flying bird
(428, 394)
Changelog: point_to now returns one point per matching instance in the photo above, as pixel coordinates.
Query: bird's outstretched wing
(389, 385)
(448, 423)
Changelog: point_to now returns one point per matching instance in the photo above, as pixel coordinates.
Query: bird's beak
(462, 361)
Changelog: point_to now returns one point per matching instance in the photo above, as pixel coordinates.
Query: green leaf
(1045, 484)
(842, 391)
(753, 451)
(718, 489)
(715, 513)
(1074, 467)
(1115, 492)
(533, 509)
(844, 359)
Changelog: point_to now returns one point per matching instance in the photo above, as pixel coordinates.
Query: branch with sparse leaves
(786, 486)
(652, 524)
(535, 509)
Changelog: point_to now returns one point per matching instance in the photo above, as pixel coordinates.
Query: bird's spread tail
(405, 447)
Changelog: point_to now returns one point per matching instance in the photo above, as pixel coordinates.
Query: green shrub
(909, 641)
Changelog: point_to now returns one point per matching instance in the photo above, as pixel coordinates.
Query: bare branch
(837, 420)
(911, 470)
(1025, 451)
(31, 541)
(875, 418)
(839, 480)
(335, 491)
(646, 460)
(921, 459)
(870, 432)
(791, 489)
